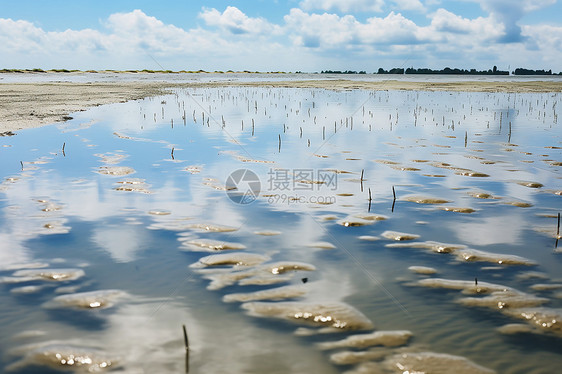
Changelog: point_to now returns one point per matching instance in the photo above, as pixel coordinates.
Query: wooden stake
(185, 339)
(393, 193)
(186, 344)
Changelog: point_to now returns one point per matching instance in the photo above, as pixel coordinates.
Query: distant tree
(495, 69)
(522, 71)
(396, 71)
(456, 71)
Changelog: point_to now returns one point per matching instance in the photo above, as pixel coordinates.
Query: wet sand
(28, 105)
(393, 85)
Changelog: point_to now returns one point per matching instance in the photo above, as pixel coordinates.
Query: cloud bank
(318, 35)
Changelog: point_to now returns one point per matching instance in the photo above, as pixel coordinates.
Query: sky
(281, 35)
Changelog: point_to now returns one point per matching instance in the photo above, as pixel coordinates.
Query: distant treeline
(391, 71)
(343, 72)
(456, 71)
(448, 71)
(521, 71)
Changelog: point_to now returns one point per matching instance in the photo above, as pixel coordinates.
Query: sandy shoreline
(28, 105)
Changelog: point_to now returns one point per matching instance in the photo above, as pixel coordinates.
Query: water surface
(128, 196)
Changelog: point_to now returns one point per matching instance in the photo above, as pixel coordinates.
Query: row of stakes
(370, 196)
(394, 202)
(362, 179)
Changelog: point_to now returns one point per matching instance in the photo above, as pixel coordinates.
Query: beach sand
(28, 105)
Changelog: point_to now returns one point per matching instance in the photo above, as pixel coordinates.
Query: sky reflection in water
(66, 211)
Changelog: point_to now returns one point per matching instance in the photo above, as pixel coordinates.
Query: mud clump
(332, 316)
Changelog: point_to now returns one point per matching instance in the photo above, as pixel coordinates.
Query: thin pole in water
(186, 343)
(185, 339)
(557, 232)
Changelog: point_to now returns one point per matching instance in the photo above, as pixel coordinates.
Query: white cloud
(453, 27)
(126, 41)
(20, 35)
(393, 29)
(128, 32)
(547, 40)
(332, 31)
(320, 30)
(136, 31)
(303, 41)
(343, 5)
(509, 12)
(415, 5)
(235, 21)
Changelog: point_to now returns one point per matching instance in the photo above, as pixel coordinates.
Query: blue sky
(282, 35)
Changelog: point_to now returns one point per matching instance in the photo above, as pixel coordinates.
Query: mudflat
(27, 105)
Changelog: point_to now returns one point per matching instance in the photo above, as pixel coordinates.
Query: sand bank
(465, 86)
(27, 105)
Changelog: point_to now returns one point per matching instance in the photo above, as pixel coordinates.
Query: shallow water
(143, 190)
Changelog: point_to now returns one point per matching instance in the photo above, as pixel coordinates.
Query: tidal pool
(282, 226)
